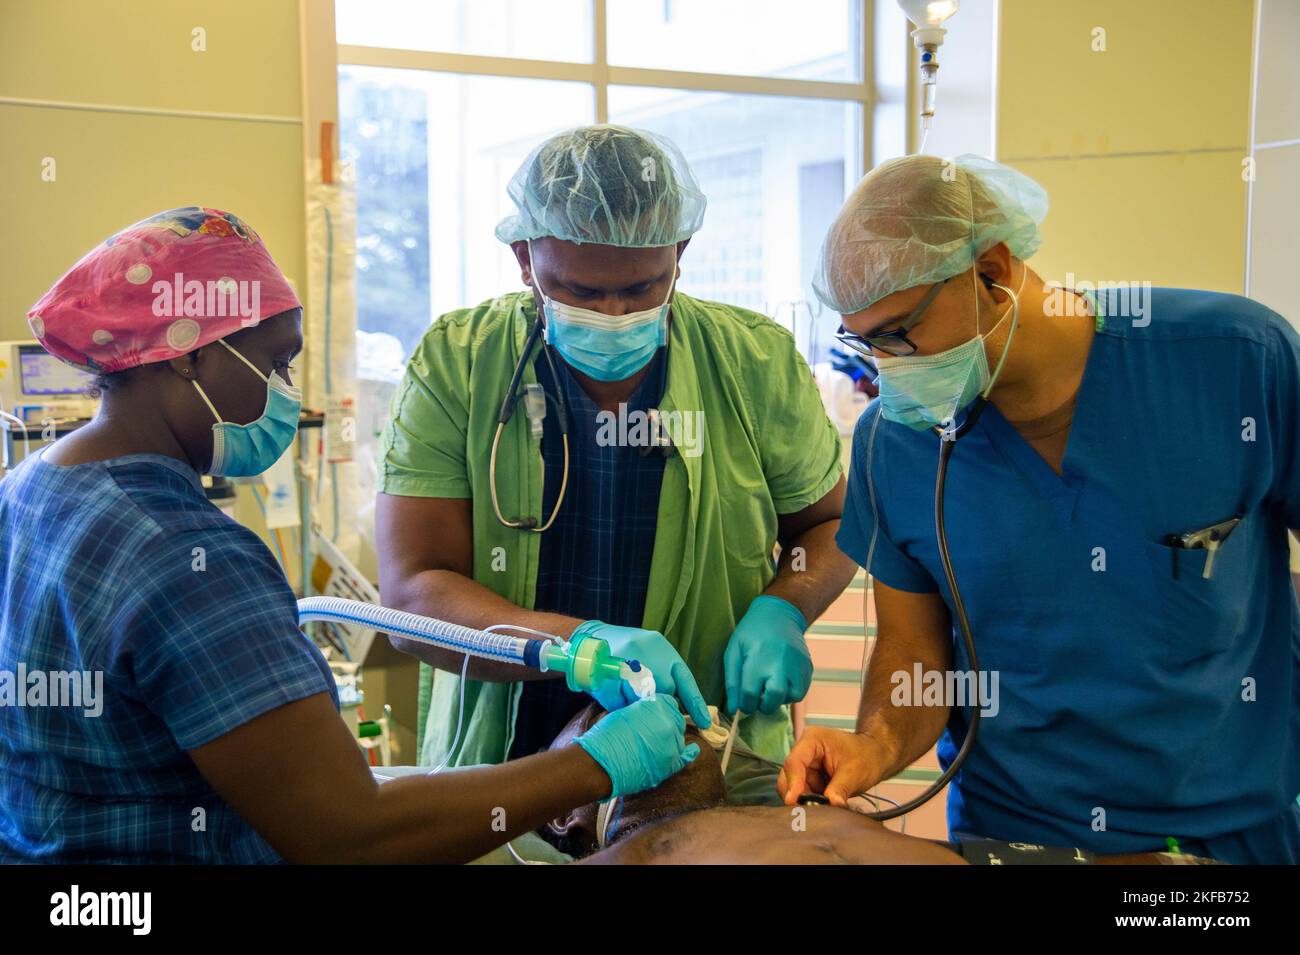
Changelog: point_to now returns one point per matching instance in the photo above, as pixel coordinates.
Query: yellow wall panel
(139, 53)
(113, 169)
(116, 166)
(1171, 220)
(1175, 76)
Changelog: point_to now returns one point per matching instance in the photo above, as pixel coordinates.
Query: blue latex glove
(766, 660)
(672, 675)
(640, 745)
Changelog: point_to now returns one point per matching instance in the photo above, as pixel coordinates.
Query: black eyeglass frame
(896, 342)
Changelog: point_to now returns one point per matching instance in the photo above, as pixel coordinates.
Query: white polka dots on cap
(134, 297)
(182, 334)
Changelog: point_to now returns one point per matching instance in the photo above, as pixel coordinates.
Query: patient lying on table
(688, 820)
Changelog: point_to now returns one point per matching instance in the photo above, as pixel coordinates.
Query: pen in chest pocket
(1207, 538)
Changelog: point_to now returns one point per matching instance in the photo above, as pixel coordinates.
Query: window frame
(600, 75)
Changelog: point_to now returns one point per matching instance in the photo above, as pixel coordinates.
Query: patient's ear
(561, 826)
(566, 833)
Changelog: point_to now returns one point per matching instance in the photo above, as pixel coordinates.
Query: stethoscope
(947, 441)
(535, 399)
(536, 402)
(949, 433)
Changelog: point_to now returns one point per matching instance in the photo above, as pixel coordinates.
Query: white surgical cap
(922, 219)
(610, 185)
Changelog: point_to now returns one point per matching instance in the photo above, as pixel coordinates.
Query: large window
(818, 40)
(439, 102)
(433, 152)
(774, 170)
(547, 30)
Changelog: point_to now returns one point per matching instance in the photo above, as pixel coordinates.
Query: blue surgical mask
(922, 391)
(243, 450)
(605, 347)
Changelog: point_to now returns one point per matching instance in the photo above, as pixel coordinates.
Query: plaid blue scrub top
(124, 567)
(595, 559)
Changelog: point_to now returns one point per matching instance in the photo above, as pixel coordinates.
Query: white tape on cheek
(715, 735)
(604, 813)
(731, 741)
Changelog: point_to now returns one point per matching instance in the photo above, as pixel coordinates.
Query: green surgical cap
(922, 219)
(610, 185)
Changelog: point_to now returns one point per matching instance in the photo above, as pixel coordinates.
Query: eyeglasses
(893, 342)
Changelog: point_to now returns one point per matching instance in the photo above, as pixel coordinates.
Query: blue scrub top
(123, 572)
(1168, 702)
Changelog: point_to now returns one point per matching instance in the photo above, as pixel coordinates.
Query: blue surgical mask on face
(922, 391)
(605, 347)
(243, 450)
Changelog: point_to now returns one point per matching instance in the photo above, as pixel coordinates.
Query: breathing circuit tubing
(449, 636)
(585, 660)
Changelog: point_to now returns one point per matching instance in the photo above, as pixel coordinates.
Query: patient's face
(698, 786)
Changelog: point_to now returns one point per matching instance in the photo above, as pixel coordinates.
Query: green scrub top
(767, 448)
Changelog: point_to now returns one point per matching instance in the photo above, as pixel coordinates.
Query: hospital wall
(154, 142)
(1136, 119)
(1274, 216)
(110, 113)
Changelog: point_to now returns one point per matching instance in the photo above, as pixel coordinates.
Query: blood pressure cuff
(993, 852)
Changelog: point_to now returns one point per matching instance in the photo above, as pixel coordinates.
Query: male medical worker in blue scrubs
(1147, 684)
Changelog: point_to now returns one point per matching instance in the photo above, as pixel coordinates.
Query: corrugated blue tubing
(439, 633)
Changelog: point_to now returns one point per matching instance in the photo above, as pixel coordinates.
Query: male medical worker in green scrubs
(637, 495)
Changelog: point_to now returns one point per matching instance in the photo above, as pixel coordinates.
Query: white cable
(460, 722)
(460, 715)
(873, 799)
(540, 634)
(499, 627)
(521, 860)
